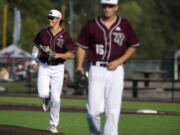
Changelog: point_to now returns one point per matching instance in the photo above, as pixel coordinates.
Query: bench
(147, 73)
(140, 88)
(136, 80)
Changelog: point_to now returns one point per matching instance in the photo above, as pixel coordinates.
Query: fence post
(135, 89)
(173, 80)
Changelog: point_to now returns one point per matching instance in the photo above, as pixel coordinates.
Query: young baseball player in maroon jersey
(51, 47)
(110, 41)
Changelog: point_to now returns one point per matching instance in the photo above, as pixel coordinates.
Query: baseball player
(110, 41)
(51, 47)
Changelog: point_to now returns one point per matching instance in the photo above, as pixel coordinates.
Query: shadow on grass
(17, 130)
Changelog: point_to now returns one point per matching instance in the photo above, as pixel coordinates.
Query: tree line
(156, 23)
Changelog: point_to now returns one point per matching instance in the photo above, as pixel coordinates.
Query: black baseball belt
(100, 63)
(52, 62)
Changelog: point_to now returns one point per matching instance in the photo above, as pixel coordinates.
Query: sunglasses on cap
(108, 6)
(51, 17)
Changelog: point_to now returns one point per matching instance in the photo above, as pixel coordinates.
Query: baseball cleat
(46, 104)
(53, 129)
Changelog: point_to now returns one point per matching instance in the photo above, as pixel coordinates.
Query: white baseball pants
(105, 95)
(50, 82)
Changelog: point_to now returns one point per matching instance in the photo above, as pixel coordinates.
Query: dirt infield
(14, 130)
(25, 107)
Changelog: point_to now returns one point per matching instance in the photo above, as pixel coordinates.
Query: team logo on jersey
(118, 29)
(119, 37)
(60, 41)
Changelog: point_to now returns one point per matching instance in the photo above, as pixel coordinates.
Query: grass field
(81, 103)
(75, 123)
(15, 86)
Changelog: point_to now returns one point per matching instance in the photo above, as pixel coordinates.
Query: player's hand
(80, 70)
(113, 65)
(56, 55)
(35, 67)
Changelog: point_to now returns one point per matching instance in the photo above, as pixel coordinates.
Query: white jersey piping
(105, 38)
(110, 37)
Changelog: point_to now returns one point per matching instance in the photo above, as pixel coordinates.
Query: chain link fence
(22, 79)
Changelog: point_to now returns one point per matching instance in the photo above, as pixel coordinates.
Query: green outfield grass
(15, 86)
(149, 125)
(75, 123)
(38, 101)
(70, 123)
(81, 103)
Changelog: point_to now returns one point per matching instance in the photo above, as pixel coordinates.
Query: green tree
(132, 12)
(34, 17)
(150, 32)
(28, 32)
(156, 22)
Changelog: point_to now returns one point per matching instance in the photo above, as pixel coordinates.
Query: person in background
(4, 73)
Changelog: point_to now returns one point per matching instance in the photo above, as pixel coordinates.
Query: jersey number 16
(99, 49)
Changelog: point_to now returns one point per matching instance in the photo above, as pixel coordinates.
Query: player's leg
(95, 104)
(43, 85)
(113, 101)
(43, 82)
(57, 76)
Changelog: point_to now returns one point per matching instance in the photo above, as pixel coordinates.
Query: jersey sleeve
(83, 39)
(35, 51)
(69, 44)
(37, 39)
(131, 36)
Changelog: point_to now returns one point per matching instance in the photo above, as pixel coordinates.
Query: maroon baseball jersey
(107, 44)
(60, 43)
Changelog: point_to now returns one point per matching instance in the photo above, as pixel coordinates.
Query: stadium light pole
(4, 35)
(70, 16)
(62, 9)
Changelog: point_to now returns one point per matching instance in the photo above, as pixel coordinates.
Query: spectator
(20, 72)
(4, 74)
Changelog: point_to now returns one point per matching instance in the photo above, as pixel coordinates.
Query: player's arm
(65, 56)
(114, 64)
(35, 52)
(130, 51)
(83, 41)
(34, 57)
(81, 53)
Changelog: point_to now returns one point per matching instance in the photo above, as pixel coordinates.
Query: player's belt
(100, 63)
(52, 63)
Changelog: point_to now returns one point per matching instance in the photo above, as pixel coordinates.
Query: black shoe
(46, 104)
